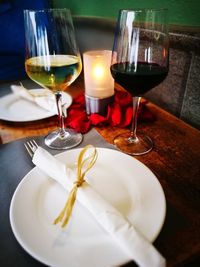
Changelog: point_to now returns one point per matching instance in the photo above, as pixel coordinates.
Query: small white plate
(16, 109)
(122, 180)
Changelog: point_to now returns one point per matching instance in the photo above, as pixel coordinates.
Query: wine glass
(139, 62)
(53, 61)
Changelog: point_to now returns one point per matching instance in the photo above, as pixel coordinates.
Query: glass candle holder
(99, 84)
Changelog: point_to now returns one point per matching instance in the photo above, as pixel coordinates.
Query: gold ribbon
(84, 164)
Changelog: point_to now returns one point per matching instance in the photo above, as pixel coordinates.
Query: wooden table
(175, 160)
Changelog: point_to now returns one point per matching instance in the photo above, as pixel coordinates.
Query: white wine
(54, 72)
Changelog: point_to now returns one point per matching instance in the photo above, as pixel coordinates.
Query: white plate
(124, 181)
(16, 109)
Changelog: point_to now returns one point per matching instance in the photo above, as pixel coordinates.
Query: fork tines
(31, 147)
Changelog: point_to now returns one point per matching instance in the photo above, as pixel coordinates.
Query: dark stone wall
(180, 92)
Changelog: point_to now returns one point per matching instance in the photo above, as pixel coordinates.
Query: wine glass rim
(138, 10)
(46, 10)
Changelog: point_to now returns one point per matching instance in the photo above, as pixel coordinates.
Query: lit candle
(99, 84)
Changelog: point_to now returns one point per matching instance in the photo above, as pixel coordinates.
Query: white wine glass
(140, 61)
(53, 61)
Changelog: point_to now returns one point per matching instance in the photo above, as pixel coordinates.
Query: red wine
(138, 80)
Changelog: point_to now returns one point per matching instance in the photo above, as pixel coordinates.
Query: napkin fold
(134, 244)
(45, 99)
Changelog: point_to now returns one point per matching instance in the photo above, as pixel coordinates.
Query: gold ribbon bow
(84, 164)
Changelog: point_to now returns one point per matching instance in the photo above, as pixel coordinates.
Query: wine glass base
(139, 146)
(68, 140)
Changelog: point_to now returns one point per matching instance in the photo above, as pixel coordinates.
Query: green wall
(181, 12)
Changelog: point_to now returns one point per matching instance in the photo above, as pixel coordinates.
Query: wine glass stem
(61, 116)
(136, 103)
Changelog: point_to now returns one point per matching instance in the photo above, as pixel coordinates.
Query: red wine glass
(140, 61)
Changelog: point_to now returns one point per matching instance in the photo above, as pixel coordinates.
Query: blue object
(12, 44)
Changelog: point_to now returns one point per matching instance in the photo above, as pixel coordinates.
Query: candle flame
(98, 71)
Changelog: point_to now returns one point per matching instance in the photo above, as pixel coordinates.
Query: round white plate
(16, 109)
(122, 180)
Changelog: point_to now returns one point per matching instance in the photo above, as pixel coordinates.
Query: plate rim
(45, 260)
(10, 97)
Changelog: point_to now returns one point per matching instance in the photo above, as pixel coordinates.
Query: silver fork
(31, 147)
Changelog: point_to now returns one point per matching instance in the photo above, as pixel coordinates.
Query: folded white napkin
(45, 99)
(132, 242)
